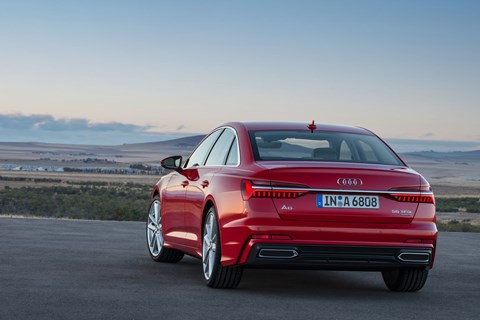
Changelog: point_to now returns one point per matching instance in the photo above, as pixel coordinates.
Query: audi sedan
(294, 195)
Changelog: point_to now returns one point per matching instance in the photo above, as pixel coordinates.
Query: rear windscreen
(321, 146)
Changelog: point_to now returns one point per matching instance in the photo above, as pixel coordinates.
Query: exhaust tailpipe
(277, 253)
(412, 256)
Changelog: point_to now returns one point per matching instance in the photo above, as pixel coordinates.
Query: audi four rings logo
(350, 182)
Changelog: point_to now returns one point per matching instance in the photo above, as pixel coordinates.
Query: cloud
(47, 128)
(181, 127)
(49, 123)
(429, 135)
(21, 122)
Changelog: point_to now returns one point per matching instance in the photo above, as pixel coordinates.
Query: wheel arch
(155, 192)
(159, 187)
(208, 204)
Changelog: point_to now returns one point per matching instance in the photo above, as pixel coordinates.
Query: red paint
(287, 216)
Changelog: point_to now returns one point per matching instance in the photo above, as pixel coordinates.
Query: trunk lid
(343, 192)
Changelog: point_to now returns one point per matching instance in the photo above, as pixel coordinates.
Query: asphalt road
(58, 269)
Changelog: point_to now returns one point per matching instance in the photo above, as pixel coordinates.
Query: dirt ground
(71, 176)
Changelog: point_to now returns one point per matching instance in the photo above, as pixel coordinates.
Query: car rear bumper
(374, 258)
(327, 245)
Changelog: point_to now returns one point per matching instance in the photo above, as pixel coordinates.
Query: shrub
(85, 202)
(458, 204)
(458, 226)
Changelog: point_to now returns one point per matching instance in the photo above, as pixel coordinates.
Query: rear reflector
(262, 236)
(426, 241)
(271, 236)
(413, 241)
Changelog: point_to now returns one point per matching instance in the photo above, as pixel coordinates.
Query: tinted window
(218, 155)
(198, 156)
(366, 152)
(232, 159)
(345, 152)
(321, 146)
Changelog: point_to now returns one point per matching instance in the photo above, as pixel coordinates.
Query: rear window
(321, 146)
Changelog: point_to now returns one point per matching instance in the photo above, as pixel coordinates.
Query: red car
(294, 195)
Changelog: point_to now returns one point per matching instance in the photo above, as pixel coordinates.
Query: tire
(155, 240)
(405, 280)
(214, 274)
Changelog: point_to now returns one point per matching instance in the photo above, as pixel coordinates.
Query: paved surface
(57, 269)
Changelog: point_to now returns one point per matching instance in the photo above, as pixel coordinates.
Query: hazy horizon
(121, 70)
(46, 129)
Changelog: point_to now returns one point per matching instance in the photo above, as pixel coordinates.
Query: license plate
(347, 201)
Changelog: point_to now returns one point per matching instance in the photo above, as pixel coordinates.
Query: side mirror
(172, 163)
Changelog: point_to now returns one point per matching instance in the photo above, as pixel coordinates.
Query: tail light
(262, 189)
(414, 198)
(417, 194)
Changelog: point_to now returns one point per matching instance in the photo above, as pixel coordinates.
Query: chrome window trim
(198, 145)
(223, 165)
(238, 150)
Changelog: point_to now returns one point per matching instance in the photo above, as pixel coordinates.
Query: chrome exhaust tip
(412, 256)
(278, 253)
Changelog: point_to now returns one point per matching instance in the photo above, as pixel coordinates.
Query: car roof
(267, 125)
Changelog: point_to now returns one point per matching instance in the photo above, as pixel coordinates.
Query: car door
(174, 195)
(178, 185)
(173, 206)
(199, 189)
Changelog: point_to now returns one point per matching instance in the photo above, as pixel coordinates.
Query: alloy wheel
(154, 229)
(209, 245)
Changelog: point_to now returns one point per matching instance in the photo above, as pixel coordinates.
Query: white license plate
(347, 201)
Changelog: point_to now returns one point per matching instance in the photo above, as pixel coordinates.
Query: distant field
(126, 197)
(37, 179)
(455, 179)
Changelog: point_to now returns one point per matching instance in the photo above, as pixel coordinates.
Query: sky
(129, 71)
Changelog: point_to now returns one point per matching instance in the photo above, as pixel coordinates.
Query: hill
(186, 142)
(460, 168)
(452, 156)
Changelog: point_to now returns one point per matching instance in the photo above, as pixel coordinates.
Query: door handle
(184, 183)
(205, 183)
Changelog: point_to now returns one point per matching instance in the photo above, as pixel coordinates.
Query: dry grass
(65, 177)
(449, 178)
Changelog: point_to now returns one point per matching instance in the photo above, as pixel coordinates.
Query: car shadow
(319, 283)
(308, 283)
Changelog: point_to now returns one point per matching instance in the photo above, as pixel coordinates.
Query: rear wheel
(214, 274)
(155, 240)
(405, 280)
